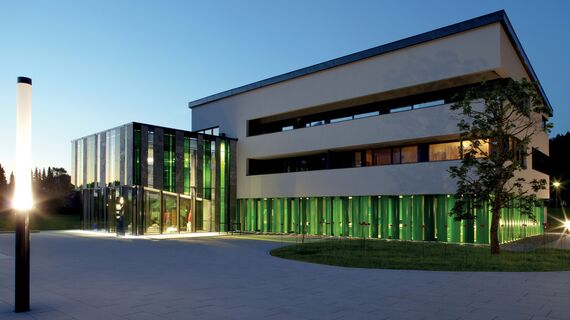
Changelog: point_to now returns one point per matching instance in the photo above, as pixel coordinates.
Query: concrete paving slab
(94, 277)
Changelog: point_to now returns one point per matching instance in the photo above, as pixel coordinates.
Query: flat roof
(134, 123)
(498, 16)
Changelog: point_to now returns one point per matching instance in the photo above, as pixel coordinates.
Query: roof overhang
(495, 17)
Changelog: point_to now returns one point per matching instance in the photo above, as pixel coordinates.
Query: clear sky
(99, 64)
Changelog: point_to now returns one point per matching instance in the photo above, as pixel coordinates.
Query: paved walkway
(220, 278)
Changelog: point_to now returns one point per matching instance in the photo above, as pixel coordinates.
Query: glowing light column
(22, 202)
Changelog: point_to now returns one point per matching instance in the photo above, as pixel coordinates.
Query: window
(410, 154)
(358, 159)
(150, 159)
(444, 151)
(400, 109)
(382, 157)
(368, 158)
(396, 156)
(429, 104)
(540, 161)
(482, 148)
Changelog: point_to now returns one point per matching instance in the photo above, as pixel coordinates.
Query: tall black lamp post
(23, 202)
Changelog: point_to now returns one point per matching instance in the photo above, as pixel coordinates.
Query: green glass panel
(429, 218)
(137, 157)
(186, 165)
(206, 170)
(405, 218)
(454, 227)
(418, 224)
(169, 163)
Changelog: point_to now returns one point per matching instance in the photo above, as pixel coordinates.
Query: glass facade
(411, 217)
(179, 180)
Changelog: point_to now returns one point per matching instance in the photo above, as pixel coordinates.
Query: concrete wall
(470, 57)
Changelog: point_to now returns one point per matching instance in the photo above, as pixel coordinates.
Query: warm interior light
(23, 192)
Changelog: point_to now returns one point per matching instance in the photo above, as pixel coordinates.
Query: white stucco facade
(482, 53)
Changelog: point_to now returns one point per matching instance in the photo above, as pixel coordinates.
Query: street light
(23, 202)
(556, 185)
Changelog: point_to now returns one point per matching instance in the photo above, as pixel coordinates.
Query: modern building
(143, 179)
(357, 146)
(360, 145)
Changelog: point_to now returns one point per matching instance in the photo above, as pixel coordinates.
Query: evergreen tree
(3, 188)
(12, 183)
(3, 182)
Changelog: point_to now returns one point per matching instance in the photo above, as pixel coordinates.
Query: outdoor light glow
(556, 184)
(23, 193)
(567, 225)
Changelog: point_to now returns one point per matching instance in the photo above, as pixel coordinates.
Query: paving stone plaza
(86, 277)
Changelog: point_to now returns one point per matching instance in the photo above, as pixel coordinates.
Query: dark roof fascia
(134, 123)
(192, 133)
(498, 16)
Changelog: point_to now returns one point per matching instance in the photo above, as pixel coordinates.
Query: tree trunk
(496, 214)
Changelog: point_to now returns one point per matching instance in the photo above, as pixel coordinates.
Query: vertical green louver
(418, 223)
(418, 218)
(186, 165)
(206, 170)
(169, 163)
(405, 218)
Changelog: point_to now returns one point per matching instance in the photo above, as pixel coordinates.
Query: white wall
(442, 62)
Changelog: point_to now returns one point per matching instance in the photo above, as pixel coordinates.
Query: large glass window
(151, 212)
(186, 165)
(170, 213)
(444, 151)
(80, 162)
(169, 163)
(206, 171)
(482, 148)
(382, 157)
(185, 214)
(150, 159)
(91, 168)
(74, 163)
(113, 157)
(193, 161)
(137, 157)
(396, 155)
(410, 154)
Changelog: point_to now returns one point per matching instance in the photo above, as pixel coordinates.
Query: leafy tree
(497, 121)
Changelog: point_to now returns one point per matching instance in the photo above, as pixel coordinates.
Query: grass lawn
(423, 256)
(42, 222)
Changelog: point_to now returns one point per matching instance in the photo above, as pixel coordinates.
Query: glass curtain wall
(100, 165)
(152, 204)
(417, 218)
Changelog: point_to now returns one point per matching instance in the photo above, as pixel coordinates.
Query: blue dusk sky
(99, 64)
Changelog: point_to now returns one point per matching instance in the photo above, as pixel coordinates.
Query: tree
(3, 181)
(3, 187)
(12, 183)
(497, 121)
